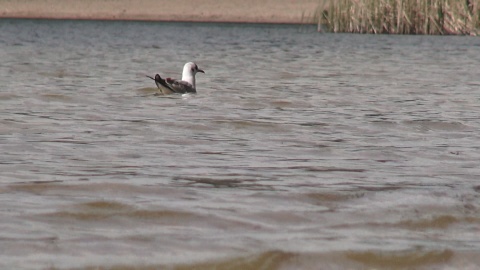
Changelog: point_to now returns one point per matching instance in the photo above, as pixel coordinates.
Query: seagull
(186, 85)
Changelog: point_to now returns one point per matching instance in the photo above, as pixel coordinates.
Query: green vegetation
(429, 17)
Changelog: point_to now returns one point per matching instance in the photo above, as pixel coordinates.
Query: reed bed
(428, 17)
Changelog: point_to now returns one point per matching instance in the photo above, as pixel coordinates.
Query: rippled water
(300, 151)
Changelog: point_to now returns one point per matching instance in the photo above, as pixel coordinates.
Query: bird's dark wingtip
(157, 78)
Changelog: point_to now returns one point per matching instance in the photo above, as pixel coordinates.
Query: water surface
(300, 149)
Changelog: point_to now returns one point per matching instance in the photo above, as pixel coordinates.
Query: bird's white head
(191, 68)
(189, 71)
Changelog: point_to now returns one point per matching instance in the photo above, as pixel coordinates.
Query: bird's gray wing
(179, 86)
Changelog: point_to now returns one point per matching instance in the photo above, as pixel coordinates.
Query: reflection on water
(301, 149)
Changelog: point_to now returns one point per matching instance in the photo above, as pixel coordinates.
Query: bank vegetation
(427, 17)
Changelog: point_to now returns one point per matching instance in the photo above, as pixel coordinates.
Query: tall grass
(430, 17)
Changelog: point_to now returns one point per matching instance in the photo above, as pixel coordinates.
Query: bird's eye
(193, 69)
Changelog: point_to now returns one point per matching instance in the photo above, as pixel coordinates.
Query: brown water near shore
(257, 11)
(301, 150)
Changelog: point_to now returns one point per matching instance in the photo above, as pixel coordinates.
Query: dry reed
(429, 17)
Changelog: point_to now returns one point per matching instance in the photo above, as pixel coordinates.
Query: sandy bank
(265, 11)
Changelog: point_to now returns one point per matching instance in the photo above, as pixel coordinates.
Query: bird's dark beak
(201, 71)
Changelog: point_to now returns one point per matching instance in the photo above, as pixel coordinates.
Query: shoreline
(135, 19)
(229, 11)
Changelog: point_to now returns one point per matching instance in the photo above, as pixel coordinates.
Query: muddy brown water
(300, 151)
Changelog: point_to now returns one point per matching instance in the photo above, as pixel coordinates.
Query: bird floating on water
(183, 86)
